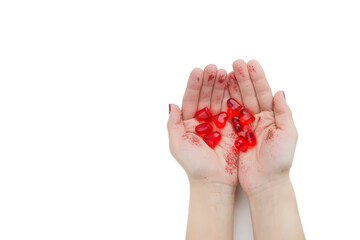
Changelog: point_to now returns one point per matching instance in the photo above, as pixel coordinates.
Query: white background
(84, 94)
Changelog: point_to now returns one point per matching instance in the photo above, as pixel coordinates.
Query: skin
(211, 188)
(263, 171)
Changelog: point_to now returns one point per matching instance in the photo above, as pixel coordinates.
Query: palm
(274, 129)
(205, 89)
(269, 156)
(202, 162)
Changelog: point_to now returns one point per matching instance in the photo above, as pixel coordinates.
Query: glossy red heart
(236, 119)
(212, 139)
(237, 127)
(250, 138)
(246, 117)
(233, 107)
(203, 115)
(220, 119)
(241, 144)
(203, 129)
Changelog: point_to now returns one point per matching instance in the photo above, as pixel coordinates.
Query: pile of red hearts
(240, 118)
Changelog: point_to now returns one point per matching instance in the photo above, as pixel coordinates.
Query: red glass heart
(236, 119)
(220, 119)
(203, 129)
(241, 144)
(233, 107)
(246, 117)
(212, 139)
(250, 138)
(237, 127)
(203, 115)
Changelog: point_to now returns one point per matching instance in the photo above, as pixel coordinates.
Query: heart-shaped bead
(212, 139)
(241, 144)
(236, 119)
(203, 115)
(246, 117)
(220, 119)
(203, 129)
(233, 107)
(237, 127)
(250, 138)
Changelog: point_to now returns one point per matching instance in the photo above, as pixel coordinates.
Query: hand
(212, 172)
(270, 160)
(202, 163)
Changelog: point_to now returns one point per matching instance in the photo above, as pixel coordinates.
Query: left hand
(270, 160)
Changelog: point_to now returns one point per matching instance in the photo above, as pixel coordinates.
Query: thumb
(175, 124)
(283, 116)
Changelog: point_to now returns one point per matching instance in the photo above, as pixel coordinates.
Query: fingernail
(284, 95)
(169, 108)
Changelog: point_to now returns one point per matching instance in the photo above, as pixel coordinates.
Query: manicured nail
(284, 95)
(169, 108)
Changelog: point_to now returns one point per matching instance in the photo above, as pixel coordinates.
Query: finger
(226, 97)
(192, 93)
(234, 87)
(207, 86)
(218, 91)
(261, 85)
(247, 91)
(283, 116)
(175, 126)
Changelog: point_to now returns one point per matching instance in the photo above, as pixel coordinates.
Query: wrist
(274, 212)
(212, 188)
(271, 187)
(272, 198)
(211, 211)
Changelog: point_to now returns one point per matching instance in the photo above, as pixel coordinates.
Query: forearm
(211, 211)
(274, 212)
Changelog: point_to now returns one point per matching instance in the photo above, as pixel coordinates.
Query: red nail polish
(169, 108)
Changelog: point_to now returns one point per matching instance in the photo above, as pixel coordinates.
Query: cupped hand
(270, 160)
(202, 163)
